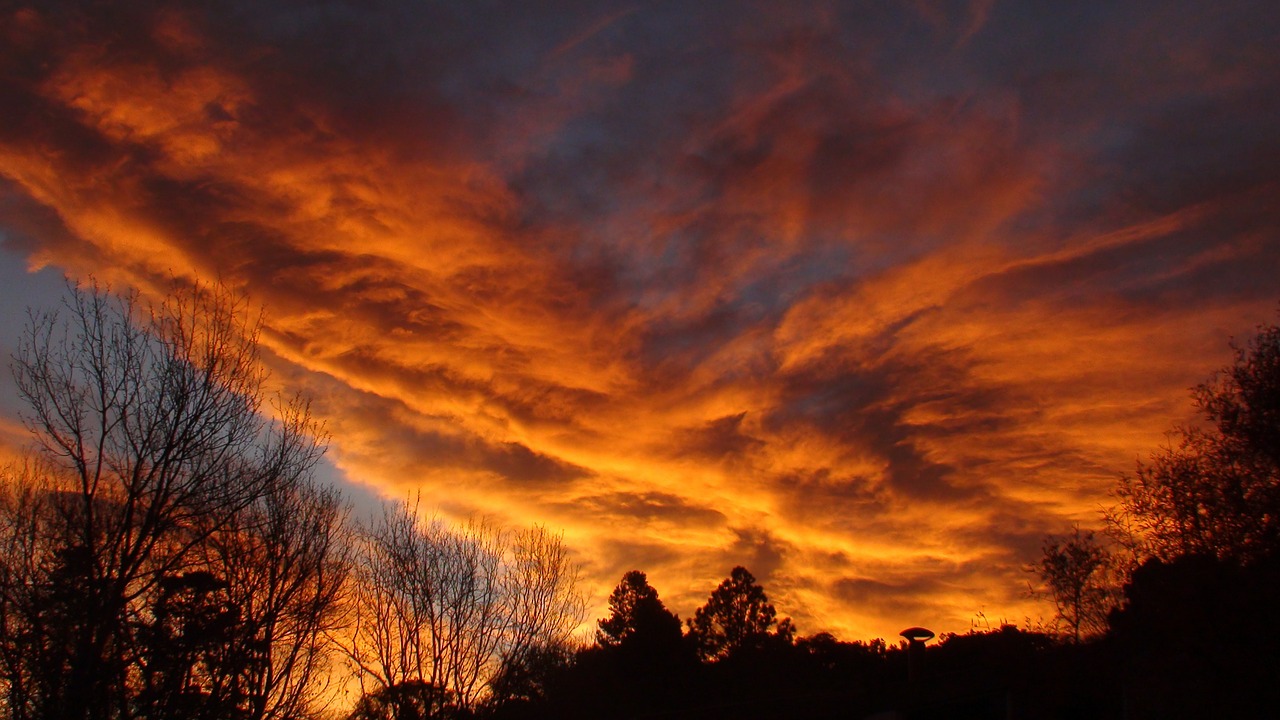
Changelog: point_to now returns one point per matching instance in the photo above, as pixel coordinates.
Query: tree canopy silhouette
(737, 616)
(1216, 491)
(637, 617)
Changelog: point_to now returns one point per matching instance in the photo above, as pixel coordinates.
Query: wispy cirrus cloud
(866, 297)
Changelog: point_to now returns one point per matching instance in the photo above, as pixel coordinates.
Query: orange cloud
(768, 290)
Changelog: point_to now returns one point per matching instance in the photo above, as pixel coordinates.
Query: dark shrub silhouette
(410, 700)
(1200, 638)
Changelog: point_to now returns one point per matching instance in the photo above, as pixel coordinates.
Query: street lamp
(916, 638)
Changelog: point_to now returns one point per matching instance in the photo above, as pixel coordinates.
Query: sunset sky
(865, 296)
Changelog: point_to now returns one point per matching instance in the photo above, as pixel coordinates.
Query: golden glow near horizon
(777, 293)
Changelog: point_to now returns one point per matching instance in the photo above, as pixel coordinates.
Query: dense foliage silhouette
(638, 621)
(737, 618)
(1200, 638)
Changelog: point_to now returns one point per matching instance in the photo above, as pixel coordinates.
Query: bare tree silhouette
(449, 608)
(1078, 575)
(161, 504)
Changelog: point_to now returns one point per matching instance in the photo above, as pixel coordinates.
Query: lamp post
(916, 638)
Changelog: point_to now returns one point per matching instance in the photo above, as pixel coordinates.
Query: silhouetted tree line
(165, 553)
